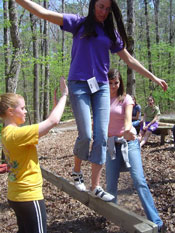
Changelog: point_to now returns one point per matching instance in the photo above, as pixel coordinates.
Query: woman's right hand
(41, 12)
(129, 135)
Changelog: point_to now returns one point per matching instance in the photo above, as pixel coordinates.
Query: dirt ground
(66, 215)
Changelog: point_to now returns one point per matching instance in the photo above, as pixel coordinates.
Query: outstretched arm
(56, 114)
(135, 65)
(41, 12)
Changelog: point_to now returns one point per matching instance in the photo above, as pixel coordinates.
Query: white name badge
(93, 85)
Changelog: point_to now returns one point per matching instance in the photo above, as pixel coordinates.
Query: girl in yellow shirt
(19, 145)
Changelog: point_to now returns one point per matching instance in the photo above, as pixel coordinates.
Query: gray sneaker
(98, 192)
(78, 181)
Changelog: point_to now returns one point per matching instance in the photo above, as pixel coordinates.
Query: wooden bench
(163, 130)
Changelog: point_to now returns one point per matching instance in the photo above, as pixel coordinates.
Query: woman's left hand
(161, 83)
(138, 67)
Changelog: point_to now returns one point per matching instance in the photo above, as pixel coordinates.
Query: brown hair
(8, 100)
(112, 74)
(151, 97)
(134, 98)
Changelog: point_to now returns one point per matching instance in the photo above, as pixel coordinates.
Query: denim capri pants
(84, 103)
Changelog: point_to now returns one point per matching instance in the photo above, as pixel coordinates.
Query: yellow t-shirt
(25, 178)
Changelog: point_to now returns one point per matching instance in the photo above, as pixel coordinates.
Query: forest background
(35, 53)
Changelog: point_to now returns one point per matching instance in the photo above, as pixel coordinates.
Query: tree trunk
(26, 97)
(41, 72)
(156, 15)
(63, 40)
(170, 33)
(46, 81)
(148, 44)
(130, 31)
(12, 76)
(170, 42)
(6, 43)
(33, 20)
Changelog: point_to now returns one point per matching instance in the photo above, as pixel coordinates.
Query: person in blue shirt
(136, 113)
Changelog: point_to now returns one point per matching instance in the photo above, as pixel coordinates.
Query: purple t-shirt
(90, 56)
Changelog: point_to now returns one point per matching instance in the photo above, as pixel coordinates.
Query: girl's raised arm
(56, 114)
(41, 12)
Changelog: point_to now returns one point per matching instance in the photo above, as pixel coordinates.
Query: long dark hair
(112, 74)
(109, 27)
(134, 99)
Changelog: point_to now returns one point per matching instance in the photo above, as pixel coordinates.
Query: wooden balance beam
(130, 221)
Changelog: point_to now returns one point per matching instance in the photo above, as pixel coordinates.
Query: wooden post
(130, 221)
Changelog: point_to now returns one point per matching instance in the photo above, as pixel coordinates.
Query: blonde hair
(8, 100)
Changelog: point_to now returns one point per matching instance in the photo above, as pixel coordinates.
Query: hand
(145, 128)
(55, 101)
(162, 83)
(63, 87)
(4, 168)
(128, 135)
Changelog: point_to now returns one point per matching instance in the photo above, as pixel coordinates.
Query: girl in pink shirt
(124, 148)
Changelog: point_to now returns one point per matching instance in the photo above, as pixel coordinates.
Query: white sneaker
(100, 193)
(78, 181)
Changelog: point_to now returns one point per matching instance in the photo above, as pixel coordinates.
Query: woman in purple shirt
(93, 37)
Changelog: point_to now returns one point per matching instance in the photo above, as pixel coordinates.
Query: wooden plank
(167, 119)
(130, 221)
(161, 127)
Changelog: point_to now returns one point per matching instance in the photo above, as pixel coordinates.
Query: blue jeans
(83, 101)
(135, 123)
(112, 175)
